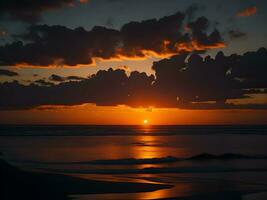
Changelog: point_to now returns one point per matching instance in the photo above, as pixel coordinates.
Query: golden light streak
(196, 46)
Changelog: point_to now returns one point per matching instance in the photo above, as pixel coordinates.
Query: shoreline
(19, 184)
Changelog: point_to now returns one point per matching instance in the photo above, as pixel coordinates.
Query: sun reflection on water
(147, 147)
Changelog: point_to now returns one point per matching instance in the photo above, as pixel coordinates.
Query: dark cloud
(186, 81)
(104, 88)
(30, 10)
(199, 33)
(235, 34)
(45, 45)
(56, 78)
(4, 72)
(75, 78)
(251, 69)
(197, 80)
(48, 45)
(151, 35)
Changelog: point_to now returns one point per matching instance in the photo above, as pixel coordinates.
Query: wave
(169, 159)
(155, 170)
(132, 161)
(226, 156)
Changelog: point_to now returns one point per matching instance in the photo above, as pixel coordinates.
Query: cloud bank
(44, 45)
(183, 81)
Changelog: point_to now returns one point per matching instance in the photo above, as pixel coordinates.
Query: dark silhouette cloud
(44, 45)
(186, 81)
(219, 79)
(251, 69)
(4, 72)
(56, 78)
(197, 80)
(105, 88)
(77, 78)
(151, 35)
(31, 10)
(199, 29)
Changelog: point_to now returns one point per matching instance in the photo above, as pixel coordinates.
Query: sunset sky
(126, 61)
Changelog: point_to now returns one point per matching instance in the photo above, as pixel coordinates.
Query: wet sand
(18, 184)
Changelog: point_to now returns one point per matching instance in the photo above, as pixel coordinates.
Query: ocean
(211, 161)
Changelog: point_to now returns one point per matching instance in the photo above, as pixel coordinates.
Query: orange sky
(122, 115)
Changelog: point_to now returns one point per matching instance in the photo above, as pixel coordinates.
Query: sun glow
(145, 121)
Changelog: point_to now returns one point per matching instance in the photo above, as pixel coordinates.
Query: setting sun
(145, 121)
